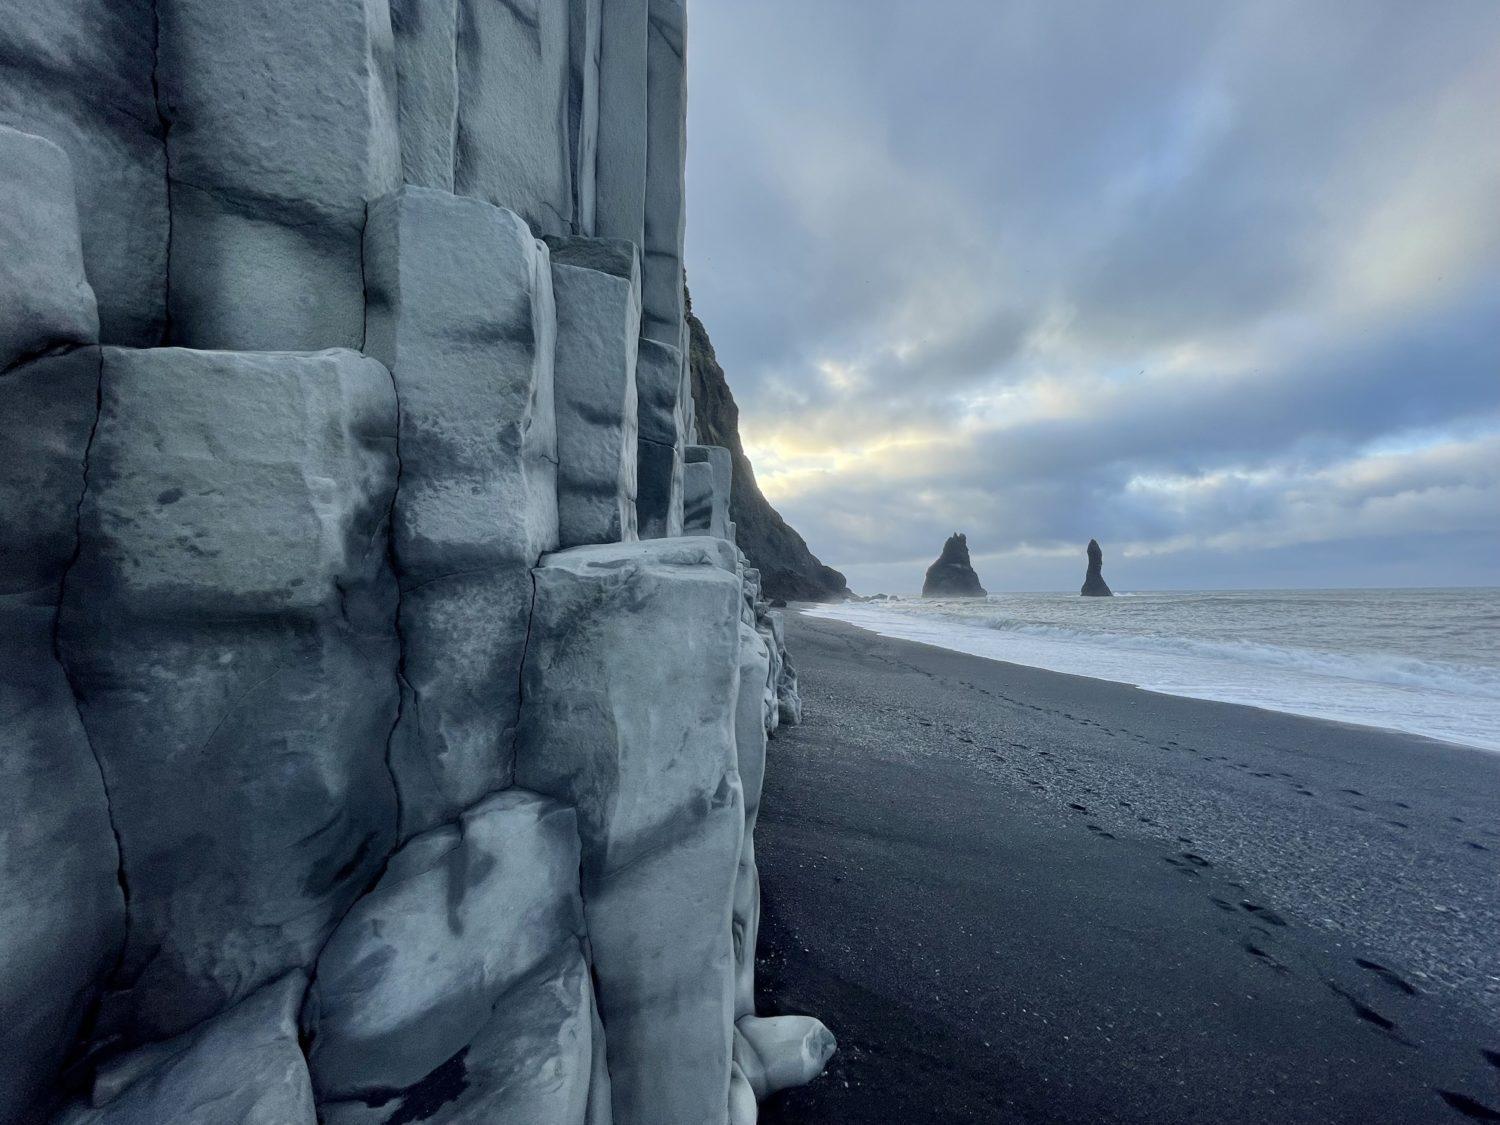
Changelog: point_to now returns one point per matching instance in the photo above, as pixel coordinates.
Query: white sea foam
(1422, 661)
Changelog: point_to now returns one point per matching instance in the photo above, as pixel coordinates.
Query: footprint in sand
(1261, 955)
(1364, 1011)
(1227, 907)
(1467, 1106)
(1390, 976)
(1269, 917)
(1491, 1057)
(1185, 866)
(1101, 833)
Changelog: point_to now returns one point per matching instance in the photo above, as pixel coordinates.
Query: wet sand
(1021, 896)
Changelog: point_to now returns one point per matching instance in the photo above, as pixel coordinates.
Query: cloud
(1179, 276)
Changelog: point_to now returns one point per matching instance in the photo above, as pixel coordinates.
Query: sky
(1215, 283)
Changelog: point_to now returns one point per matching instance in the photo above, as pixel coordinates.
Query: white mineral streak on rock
(229, 629)
(244, 1067)
(460, 980)
(661, 812)
(460, 311)
(79, 73)
(271, 165)
(597, 288)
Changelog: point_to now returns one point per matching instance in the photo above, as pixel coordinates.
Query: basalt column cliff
(385, 698)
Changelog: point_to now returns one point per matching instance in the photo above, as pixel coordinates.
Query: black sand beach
(1021, 896)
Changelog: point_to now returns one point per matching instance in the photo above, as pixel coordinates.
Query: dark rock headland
(788, 570)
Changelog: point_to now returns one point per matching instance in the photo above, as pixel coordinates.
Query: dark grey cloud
(1183, 275)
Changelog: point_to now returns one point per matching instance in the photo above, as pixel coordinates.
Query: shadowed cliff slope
(787, 568)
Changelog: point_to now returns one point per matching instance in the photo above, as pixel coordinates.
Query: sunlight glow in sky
(1218, 284)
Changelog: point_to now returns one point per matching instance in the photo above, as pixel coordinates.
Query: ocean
(1426, 662)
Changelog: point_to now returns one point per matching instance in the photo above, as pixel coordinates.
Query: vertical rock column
(666, 155)
(426, 39)
(282, 124)
(61, 907)
(461, 309)
(620, 163)
(513, 137)
(598, 291)
(660, 450)
(707, 479)
(661, 813)
(585, 46)
(229, 629)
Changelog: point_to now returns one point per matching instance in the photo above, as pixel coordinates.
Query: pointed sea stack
(952, 576)
(1094, 585)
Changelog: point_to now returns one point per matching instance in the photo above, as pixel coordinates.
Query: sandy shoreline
(1021, 895)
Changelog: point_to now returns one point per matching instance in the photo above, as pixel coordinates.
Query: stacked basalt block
(377, 747)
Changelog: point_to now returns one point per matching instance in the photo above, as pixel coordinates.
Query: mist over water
(1425, 662)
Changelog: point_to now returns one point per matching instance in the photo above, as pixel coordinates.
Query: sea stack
(1094, 585)
(952, 576)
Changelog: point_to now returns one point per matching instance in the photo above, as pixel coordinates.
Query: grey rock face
(45, 299)
(952, 576)
(270, 177)
(243, 1068)
(666, 153)
(58, 863)
(513, 137)
(268, 615)
(706, 491)
(426, 39)
(458, 973)
(598, 331)
(79, 73)
(660, 806)
(229, 629)
(461, 310)
(1094, 585)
